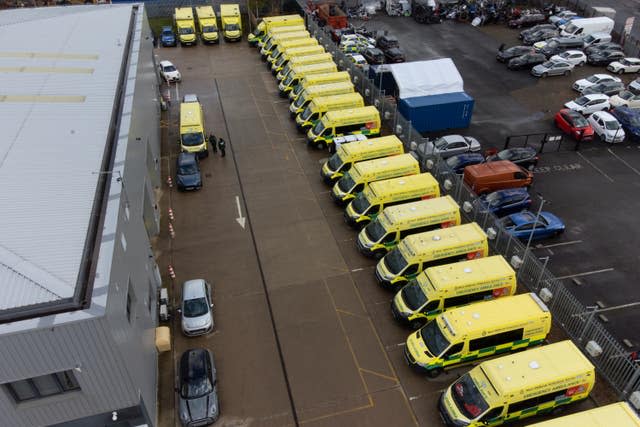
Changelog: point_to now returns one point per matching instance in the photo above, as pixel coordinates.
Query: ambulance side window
(494, 413)
(433, 305)
(373, 210)
(454, 349)
(389, 238)
(411, 269)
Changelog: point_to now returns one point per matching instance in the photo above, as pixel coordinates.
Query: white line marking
(604, 270)
(623, 161)
(177, 92)
(240, 219)
(394, 346)
(415, 397)
(573, 242)
(357, 269)
(595, 167)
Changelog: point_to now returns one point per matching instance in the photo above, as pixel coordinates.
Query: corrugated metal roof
(58, 81)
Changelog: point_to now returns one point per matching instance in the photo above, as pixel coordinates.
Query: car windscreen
(195, 307)
(231, 27)
(506, 155)
(318, 128)
(612, 125)
(346, 183)
(434, 339)
(395, 261)
(360, 204)
(375, 231)
(186, 30)
(195, 381)
(592, 79)
(468, 398)
(570, 28)
(192, 139)
(169, 68)
(208, 29)
(626, 95)
(579, 121)
(494, 199)
(581, 100)
(334, 161)
(413, 296)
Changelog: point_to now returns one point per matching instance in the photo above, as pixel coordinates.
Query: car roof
(571, 52)
(511, 192)
(190, 97)
(395, 50)
(593, 96)
(453, 138)
(523, 217)
(570, 112)
(374, 50)
(193, 363)
(604, 115)
(193, 289)
(165, 63)
(186, 158)
(521, 149)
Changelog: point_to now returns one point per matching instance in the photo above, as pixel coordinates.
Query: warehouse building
(79, 152)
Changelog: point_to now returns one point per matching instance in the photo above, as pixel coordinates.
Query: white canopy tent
(424, 78)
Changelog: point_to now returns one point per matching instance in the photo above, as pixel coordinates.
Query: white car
(449, 145)
(565, 14)
(594, 79)
(634, 86)
(574, 57)
(588, 104)
(607, 127)
(626, 65)
(625, 99)
(169, 72)
(358, 59)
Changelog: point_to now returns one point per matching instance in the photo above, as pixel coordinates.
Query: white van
(595, 38)
(584, 26)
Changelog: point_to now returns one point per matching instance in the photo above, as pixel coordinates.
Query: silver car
(552, 68)
(448, 146)
(196, 308)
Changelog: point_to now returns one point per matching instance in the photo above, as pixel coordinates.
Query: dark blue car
(522, 224)
(504, 202)
(168, 37)
(460, 161)
(629, 118)
(188, 172)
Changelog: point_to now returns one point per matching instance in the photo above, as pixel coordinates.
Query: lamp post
(533, 229)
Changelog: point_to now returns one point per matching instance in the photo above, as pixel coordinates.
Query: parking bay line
(595, 167)
(623, 161)
(587, 273)
(553, 245)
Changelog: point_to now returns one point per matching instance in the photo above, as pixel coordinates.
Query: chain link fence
(579, 322)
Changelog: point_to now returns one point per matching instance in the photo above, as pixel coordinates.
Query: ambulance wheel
(321, 145)
(416, 324)
(379, 254)
(433, 373)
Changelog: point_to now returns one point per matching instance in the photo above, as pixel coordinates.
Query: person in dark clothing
(213, 143)
(221, 146)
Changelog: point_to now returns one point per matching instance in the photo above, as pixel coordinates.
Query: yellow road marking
(335, 414)
(387, 377)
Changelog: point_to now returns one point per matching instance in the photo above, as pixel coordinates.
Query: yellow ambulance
(318, 107)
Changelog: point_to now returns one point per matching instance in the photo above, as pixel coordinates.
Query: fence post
(634, 379)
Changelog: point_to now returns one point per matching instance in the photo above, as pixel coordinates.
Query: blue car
(629, 118)
(168, 37)
(460, 161)
(521, 225)
(565, 21)
(188, 172)
(504, 202)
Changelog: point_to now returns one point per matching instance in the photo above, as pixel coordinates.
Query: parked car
(169, 72)
(629, 119)
(513, 52)
(634, 86)
(588, 104)
(188, 172)
(558, 45)
(386, 42)
(527, 20)
(504, 202)
(605, 57)
(625, 65)
(337, 34)
(197, 388)
(561, 16)
(168, 37)
(499, 175)
(357, 38)
(594, 79)
(607, 127)
(526, 62)
(533, 29)
(460, 161)
(374, 56)
(625, 99)
(527, 225)
(526, 157)
(564, 21)
(602, 46)
(196, 308)
(573, 123)
(449, 145)
(575, 57)
(358, 59)
(608, 88)
(394, 55)
(552, 68)
(539, 36)
(595, 39)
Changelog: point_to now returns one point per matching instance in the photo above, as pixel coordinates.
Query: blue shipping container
(383, 78)
(438, 112)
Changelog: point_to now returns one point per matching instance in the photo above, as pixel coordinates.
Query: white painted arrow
(241, 220)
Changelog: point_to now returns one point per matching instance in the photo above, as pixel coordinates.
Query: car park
(588, 104)
(449, 145)
(629, 119)
(594, 79)
(188, 172)
(552, 68)
(539, 36)
(374, 56)
(533, 29)
(504, 202)
(602, 46)
(527, 225)
(625, 65)
(605, 57)
(526, 157)
(197, 387)
(575, 57)
(394, 55)
(506, 54)
(460, 161)
(196, 308)
(607, 127)
(387, 42)
(625, 98)
(358, 60)
(573, 123)
(526, 62)
(607, 88)
(168, 37)
(561, 16)
(527, 20)
(169, 72)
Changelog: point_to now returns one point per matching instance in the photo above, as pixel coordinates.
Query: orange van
(487, 177)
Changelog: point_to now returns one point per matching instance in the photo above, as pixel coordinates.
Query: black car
(608, 88)
(188, 172)
(538, 27)
(602, 46)
(461, 161)
(513, 52)
(539, 36)
(387, 42)
(526, 157)
(374, 56)
(526, 62)
(605, 57)
(394, 55)
(528, 20)
(197, 388)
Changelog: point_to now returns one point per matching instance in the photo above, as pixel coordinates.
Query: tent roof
(424, 78)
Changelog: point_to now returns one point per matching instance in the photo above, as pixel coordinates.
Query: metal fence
(579, 322)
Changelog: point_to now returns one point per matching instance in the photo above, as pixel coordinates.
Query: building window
(43, 386)
(130, 301)
(151, 298)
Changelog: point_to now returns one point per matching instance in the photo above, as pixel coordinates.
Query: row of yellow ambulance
(207, 24)
(460, 300)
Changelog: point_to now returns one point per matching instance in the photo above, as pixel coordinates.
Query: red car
(573, 123)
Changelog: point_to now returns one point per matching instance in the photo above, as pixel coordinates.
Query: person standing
(221, 146)
(213, 143)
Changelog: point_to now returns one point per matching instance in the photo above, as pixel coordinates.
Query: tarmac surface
(303, 334)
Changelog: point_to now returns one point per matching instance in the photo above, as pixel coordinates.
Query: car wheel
(433, 373)
(416, 324)
(531, 167)
(544, 75)
(566, 73)
(581, 64)
(620, 71)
